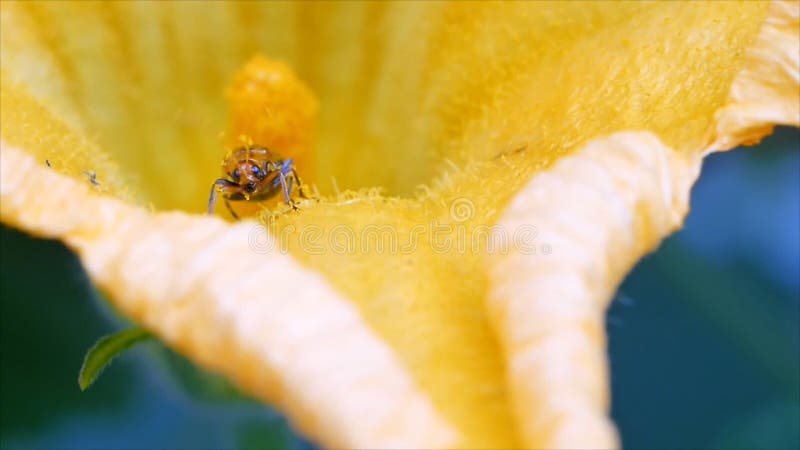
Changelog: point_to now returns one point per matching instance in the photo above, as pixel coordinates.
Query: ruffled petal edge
(626, 193)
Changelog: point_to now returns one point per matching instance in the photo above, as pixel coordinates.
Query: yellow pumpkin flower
(488, 173)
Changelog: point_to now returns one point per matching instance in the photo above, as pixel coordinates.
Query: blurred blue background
(704, 338)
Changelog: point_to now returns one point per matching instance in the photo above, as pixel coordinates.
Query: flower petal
(627, 192)
(766, 92)
(275, 328)
(485, 98)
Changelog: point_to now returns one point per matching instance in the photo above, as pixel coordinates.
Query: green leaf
(105, 350)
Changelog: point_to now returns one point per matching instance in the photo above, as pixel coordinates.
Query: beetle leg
(285, 186)
(287, 182)
(221, 185)
(288, 169)
(230, 209)
(299, 184)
